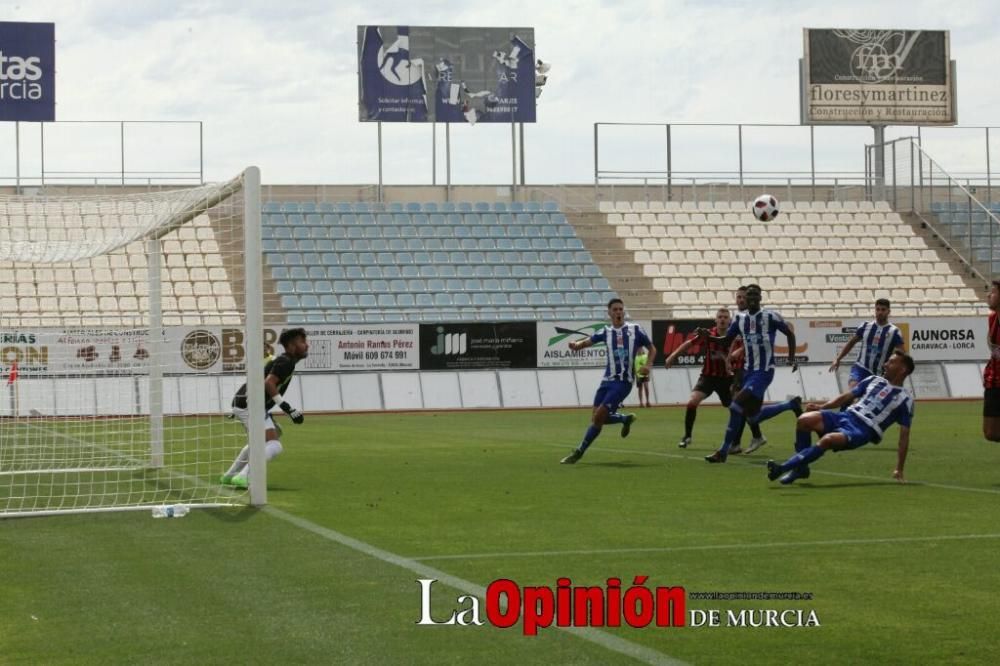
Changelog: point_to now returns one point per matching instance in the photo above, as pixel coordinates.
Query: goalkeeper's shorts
(243, 416)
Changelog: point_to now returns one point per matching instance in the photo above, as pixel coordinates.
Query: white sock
(272, 449)
(241, 461)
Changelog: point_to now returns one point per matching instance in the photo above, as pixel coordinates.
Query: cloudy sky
(275, 84)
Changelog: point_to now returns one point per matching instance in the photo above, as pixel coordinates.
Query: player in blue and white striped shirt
(758, 328)
(623, 342)
(882, 401)
(879, 340)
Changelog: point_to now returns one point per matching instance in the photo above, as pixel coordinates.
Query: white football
(765, 208)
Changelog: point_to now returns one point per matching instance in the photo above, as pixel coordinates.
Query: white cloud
(275, 83)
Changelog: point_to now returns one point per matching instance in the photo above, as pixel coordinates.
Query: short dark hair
(883, 302)
(722, 309)
(615, 300)
(907, 361)
(290, 335)
(995, 283)
(742, 287)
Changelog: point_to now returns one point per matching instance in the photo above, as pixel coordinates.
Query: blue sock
(812, 454)
(616, 418)
(736, 423)
(771, 411)
(803, 439)
(588, 437)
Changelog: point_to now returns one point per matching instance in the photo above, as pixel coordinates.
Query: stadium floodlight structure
(127, 321)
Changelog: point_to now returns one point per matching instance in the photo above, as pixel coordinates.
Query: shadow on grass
(620, 463)
(833, 486)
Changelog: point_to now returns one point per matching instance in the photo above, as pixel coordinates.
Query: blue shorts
(859, 374)
(612, 394)
(858, 433)
(757, 381)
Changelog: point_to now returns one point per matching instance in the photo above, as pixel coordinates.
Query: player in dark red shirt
(716, 375)
(991, 376)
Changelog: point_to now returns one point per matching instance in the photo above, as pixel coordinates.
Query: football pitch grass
(361, 506)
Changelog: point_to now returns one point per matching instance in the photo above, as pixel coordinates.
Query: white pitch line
(596, 636)
(608, 641)
(724, 546)
(748, 462)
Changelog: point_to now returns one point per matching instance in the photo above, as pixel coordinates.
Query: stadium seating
(971, 229)
(429, 262)
(112, 289)
(819, 258)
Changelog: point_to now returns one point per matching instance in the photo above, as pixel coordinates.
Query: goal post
(127, 321)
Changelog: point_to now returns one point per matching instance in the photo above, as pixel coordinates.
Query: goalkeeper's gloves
(294, 414)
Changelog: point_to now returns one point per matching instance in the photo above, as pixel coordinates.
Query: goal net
(124, 326)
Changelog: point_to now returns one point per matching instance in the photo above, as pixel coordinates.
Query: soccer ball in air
(765, 208)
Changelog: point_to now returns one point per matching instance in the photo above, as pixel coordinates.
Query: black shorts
(641, 379)
(991, 402)
(720, 385)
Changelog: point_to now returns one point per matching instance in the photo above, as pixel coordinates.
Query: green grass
(246, 586)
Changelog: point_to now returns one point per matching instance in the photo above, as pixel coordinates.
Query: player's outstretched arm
(670, 360)
(901, 451)
(271, 389)
(790, 336)
(577, 345)
(650, 357)
(844, 352)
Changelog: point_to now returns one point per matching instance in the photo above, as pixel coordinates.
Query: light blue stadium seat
(435, 285)
(417, 285)
(341, 287)
(298, 273)
(480, 299)
(591, 270)
(348, 300)
(430, 207)
(461, 299)
(582, 284)
(501, 298)
(538, 271)
(532, 206)
(539, 243)
(355, 272)
(394, 207)
(518, 298)
(428, 271)
(307, 245)
(290, 207)
(304, 286)
(550, 206)
(529, 257)
(322, 287)
(574, 298)
(361, 286)
(546, 284)
(271, 207)
(528, 284)
(509, 284)
(397, 286)
(454, 284)
(446, 271)
(336, 272)
(367, 301)
(332, 220)
(405, 300)
(443, 300)
(328, 301)
(516, 207)
(308, 301)
(425, 301)
(555, 298)
(285, 287)
(600, 284)
(409, 271)
(269, 245)
(324, 245)
(334, 317)
(290, 302)
(292, 259)
(592, 298)
(287, 245)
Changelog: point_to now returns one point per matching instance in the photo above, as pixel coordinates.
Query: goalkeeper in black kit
(277, 374)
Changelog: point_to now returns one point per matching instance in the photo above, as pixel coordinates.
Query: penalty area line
(757, 463)
(722, 546)
(598, 637)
